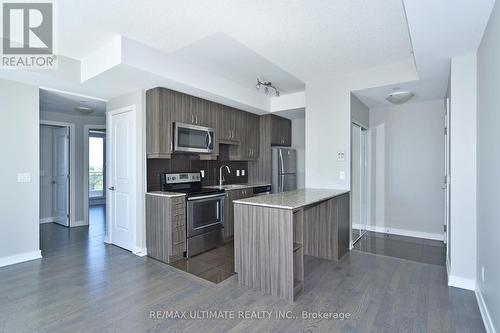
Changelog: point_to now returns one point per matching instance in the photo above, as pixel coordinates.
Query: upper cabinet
(281, 131)
(227, 121)
(237, 128)
(247, 127)
(160, 108)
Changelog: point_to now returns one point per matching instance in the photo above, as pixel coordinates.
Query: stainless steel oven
(193, 138)
(205, 222)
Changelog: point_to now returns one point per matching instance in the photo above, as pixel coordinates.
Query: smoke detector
(85, 110)
(399, 97)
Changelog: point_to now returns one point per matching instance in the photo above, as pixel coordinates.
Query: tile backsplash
(192, 163)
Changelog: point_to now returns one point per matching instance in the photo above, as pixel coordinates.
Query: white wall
(19, 206)
(359, 112)
(299, 144)
(137, 98)
(46, 173)
(407, 168)
(488, 167)
(328, 120)
(463, 171)
(79, 121)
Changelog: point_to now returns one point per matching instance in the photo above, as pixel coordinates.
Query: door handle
(111, 188)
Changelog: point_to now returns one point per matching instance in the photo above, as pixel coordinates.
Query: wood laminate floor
(410, 248)
(83, 285)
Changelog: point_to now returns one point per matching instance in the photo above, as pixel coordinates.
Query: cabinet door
(158, 122)
(286, 131)
(226, 123)
(276, 138)
(254, 136)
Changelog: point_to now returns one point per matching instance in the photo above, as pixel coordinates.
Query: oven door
(193, 138)
(205, 213)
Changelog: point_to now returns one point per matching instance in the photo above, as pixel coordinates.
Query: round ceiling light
(399, 97)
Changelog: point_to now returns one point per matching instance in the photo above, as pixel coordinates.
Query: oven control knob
(173, 178)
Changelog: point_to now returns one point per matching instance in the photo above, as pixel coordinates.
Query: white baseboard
(462, 283)
(80, 223)
(141, 252)
(403, 232)
(47, 220)
(18, 258)
(488, 323)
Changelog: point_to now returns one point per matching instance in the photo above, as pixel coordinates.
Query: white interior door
(122, 178)
(447, 184)
(61, 176)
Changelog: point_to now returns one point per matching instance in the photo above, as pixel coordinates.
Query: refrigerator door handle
(281, 166)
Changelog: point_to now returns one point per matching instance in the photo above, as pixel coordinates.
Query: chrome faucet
(221, 179)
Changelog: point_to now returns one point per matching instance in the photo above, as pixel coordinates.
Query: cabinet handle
(197, 119)
(192, 118)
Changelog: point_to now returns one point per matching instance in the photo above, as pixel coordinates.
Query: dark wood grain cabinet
(239, 129)
(232, 195)
(281, 131)
(165, 227)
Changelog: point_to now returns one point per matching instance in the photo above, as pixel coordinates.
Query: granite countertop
(166, 194)
(292, 199)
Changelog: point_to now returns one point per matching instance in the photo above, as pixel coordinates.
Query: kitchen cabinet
(232, 195)
(164, 107)
(227, 125)
(160, 107)
(247, 125)
(165, 227)
(281, 131)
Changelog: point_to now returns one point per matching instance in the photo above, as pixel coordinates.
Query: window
(96, 165)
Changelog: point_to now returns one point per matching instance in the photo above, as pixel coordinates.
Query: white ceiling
(222, 55)
(305, 38)
(439, 31)
(60, 102)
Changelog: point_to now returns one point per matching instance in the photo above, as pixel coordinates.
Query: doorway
(95, 178)
(56, 199)
(359, 184)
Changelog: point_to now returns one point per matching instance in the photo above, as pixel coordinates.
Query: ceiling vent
(84, 110)
(399, 97)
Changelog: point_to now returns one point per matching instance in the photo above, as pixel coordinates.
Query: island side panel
(263, 242)
(325, 225)
(343, 213)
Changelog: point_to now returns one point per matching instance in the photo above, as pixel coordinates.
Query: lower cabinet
(165, 227)
(232, 195)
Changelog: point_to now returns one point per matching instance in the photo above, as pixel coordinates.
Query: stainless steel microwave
(193, 138)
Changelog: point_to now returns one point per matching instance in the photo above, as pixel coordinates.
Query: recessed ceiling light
(84, 110)
(399, 97)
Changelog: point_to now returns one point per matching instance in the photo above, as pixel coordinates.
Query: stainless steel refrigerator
(284, 170)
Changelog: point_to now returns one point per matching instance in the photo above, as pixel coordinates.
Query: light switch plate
(242, 172)
(342, 175)
(237, 173)
(202, 173)
(24, 177)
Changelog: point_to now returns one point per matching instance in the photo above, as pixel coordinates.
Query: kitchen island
(272, 233)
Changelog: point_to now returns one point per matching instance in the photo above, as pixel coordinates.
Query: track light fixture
(267, 85)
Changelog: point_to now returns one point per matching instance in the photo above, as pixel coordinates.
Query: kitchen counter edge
(293, 199)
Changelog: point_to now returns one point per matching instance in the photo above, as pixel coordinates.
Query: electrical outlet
(237, 173)
(482, 273)
(342, 175)
(202, 173)
(24, 177)
(341, 156)
(242, 172)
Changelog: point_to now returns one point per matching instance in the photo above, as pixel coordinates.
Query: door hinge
(444, 228)
(446, 131)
